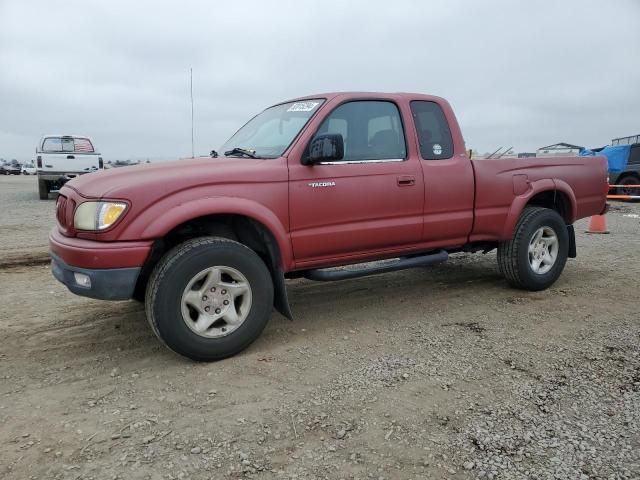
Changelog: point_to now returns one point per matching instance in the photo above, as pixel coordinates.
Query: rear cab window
(52, 144)
(67, 145)
(432, 129)
(82, 145)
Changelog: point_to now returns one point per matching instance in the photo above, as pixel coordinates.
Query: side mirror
(325, 148)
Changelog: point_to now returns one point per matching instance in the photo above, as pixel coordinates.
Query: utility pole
(191, 88)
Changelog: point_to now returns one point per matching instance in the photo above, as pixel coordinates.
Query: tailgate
(69, 162)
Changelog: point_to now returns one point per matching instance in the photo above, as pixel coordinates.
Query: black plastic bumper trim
(106, 284)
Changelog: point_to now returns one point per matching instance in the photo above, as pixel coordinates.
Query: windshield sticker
(303, 106)
(437, 149)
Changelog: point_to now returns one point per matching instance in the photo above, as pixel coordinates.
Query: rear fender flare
(538, 186)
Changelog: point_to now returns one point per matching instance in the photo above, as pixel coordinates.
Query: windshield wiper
(241, 151)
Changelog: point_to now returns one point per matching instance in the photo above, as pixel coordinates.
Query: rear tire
(241, 303)
(43, 189)
(629, 180)
(536, 255)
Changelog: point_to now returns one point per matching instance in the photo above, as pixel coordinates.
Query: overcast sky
(522, 73)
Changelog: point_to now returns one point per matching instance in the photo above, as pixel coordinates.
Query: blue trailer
(624, 166)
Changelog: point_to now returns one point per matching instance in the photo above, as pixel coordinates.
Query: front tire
(537, 253)
(209, 298)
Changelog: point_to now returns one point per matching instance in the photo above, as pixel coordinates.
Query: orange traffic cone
(598, 224)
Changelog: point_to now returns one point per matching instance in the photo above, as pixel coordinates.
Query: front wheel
(209, 298)
(536, 255)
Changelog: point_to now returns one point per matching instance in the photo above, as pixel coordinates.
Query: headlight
(98, 215)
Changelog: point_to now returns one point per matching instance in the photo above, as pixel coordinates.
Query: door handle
(70, 157)
(406, 180)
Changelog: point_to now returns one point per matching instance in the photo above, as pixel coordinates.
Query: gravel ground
(441, 372)
(25, 220)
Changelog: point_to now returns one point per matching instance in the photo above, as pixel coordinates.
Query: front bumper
(94, 254)
(104, 284)
(112, 267)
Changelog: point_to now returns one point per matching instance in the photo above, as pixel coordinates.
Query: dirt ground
(440, 372)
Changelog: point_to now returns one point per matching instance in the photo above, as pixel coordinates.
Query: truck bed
(498, 180)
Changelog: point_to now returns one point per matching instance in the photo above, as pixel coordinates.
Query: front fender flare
(162, 224)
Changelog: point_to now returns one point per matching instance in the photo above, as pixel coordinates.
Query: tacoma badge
(322, 184)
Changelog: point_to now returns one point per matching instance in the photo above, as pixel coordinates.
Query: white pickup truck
(59, 158)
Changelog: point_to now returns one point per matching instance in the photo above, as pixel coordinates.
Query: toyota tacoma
(378, 181)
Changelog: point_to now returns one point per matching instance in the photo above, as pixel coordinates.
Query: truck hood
(160, 179)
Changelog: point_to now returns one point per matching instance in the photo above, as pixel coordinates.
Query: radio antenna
(191, 90)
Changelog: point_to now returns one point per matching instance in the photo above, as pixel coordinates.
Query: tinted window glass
(371, 130)
(433, 131)
(634, 155)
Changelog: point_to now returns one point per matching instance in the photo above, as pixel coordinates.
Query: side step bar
(328, 275)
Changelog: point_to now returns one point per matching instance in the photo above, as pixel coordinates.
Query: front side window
(371, 130)
(433, 131)
(269, 134)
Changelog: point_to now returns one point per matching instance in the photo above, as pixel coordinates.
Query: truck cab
(59, 158)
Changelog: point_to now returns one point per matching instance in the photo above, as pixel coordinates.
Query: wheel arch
(255, 228)
(626, 174)
(554, 194)
(219, 208)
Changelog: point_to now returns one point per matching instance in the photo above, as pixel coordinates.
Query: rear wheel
(629, 180)
(536, 255)
(43, 189)
(209, 298)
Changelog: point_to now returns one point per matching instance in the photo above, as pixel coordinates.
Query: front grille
(65, 210)
(61, 210)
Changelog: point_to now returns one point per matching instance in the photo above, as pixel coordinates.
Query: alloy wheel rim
(543, 250)
(216, 301)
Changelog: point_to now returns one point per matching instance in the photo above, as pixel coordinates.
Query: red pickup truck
(306, 186)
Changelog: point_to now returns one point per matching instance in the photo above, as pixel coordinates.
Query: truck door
(370, 201)
(448, 177)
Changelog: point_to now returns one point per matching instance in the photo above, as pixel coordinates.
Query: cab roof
(369, 95)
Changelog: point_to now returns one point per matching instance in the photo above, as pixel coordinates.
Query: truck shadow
(102, 330)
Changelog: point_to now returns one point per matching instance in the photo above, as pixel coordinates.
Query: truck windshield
(269, 134)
